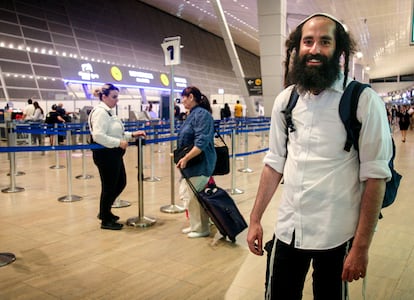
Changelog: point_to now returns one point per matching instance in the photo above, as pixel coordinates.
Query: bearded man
(331, 198)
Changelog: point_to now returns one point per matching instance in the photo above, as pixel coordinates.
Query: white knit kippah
(323, 15)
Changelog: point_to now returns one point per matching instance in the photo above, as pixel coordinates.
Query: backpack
(347, 111)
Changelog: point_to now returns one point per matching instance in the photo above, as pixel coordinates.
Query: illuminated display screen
(87, 72)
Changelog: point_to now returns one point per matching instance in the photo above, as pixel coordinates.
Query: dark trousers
(291, 266)
(111, 168)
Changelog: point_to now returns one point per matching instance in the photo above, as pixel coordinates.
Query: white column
(272, 34)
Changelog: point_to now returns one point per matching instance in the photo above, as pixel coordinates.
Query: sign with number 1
(171, 47)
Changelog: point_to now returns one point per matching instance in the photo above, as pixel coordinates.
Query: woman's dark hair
(345, 45)
(37, 106)
(199, 98)
(105, 90)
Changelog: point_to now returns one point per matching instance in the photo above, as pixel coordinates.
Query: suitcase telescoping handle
(192, 187)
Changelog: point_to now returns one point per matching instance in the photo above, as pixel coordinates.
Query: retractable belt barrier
(156, 134)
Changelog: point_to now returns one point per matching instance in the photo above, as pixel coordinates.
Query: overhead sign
(172, 48)
(79, 70)
(254, 86)
(86, 72)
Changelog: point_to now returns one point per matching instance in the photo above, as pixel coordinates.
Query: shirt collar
(106, 107)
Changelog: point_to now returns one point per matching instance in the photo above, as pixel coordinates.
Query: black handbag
(222, 152)
(182, 151)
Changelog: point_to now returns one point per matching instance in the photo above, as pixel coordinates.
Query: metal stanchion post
(55, 142)
(29, 138)
(11, 141)
(246, 168)
(172, 208)
(69, 197)
(156, 137)
(84, 175)
(152, 178)
(238, 140)
(13, 136)
(140, 220)
(6, 258)
(233, 190)
(262, 139)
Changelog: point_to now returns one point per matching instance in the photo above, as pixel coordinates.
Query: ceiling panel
(381, 27)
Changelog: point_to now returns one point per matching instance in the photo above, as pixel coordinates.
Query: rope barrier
(81, 129)
(226, 128)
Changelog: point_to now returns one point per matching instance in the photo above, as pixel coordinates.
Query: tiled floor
(63, 254)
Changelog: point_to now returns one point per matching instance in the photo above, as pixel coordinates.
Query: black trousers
(290, 266)
(111, 168)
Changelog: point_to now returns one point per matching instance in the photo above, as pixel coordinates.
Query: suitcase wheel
(232, 239)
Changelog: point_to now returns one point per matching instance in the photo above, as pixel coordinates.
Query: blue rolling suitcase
(221, 209)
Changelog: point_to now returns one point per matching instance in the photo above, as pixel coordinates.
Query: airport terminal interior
(62, 253)
(51, 242)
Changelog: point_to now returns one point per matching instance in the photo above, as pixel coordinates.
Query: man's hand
(355, 265)
(255, 238)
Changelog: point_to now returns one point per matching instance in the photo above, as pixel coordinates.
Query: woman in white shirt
(108, 131)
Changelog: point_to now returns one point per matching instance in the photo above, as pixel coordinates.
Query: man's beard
(315, 77)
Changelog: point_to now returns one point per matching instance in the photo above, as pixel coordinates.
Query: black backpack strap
(293, 99)
(348, 106)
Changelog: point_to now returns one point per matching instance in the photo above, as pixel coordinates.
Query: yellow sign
(116, 73)
(164, 79)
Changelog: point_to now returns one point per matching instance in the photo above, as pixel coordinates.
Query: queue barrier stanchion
(54, 143)
(246, 168)
(238, 140)
(156, 137)
(38, 135)
(6, 258)
(262, 139)
(84, 175)
(69, 197)
(140, 220)
(119, 203)
(11, 141)
(233, 190)
(152, 178)
(172, 208)
(13, 135)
